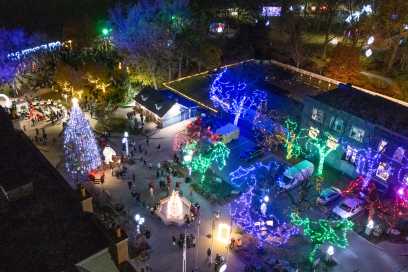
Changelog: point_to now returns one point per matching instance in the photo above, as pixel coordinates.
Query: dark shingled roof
(375, 109)
(155, 101)
(47, 231)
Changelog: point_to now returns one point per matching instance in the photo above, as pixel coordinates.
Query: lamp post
(329, 253)
(369, 227)
(139, 221)
(216, 215)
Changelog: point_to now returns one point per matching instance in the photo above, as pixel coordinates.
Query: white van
(296, 174)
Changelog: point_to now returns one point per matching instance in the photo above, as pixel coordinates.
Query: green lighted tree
(217, 153)
(292, 139)
(323, 231)
(324, 145)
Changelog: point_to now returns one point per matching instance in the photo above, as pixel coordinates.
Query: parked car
(349, 207)
(296, 174)
(328, 195)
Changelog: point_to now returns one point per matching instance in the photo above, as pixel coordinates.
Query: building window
(351, 154)
(357, 134)
(317, 115)
(337, 124)
(383, 171)
(399, 154)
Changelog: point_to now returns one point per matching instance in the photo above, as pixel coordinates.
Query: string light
(323, 231)
(217, 153)
(26, 52)
(255, 220)
(234, 95)
(324, 145)
(80, 148)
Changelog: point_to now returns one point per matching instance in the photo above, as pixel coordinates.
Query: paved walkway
(164, 256)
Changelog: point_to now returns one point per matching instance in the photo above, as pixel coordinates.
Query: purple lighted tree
(232, 93)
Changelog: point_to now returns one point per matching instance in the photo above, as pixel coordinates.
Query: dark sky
(49, 16)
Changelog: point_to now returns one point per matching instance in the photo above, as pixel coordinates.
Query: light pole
(216, 215)
(139, 221)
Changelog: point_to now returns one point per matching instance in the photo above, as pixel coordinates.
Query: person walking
(209, 255)
(174, 240)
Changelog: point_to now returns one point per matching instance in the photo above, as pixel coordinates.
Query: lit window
(382, 145)
(357, 134)
(337, 124)
(317, 115)
(399, 154)
(383, 171)
(351, 154)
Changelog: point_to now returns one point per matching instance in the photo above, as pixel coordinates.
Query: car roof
(352, 202)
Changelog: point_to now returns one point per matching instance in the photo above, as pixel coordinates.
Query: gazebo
(173, 209)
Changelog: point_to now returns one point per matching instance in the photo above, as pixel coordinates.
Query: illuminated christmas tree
(234, 95)
(80, 148)
(323, 231)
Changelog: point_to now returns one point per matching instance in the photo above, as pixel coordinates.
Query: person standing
(174, 240)
(147, 140)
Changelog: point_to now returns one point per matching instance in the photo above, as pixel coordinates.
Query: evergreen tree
(80, 147)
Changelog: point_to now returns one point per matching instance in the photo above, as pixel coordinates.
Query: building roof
(369, 107)
(47, 231)
(154, 101)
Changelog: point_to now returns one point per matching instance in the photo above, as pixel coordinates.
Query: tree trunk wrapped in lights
(230, 92)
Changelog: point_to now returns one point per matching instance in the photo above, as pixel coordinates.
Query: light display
(174, 209)
(224, 233)
(323, 231)
(80, 148)
(292, 140)
(251, 214)
(240, 176)
(367, 162)
(233, 94)
(26, 52)
(217, 153)
(324, 146)
(355, 16)
(108, 154)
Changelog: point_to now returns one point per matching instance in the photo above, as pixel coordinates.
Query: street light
(369, 227)
(139, 221)
(329, 253)
(105, 31)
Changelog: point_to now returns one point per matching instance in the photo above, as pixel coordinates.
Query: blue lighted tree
(231, 92)
(367, 163)
(80, 147)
